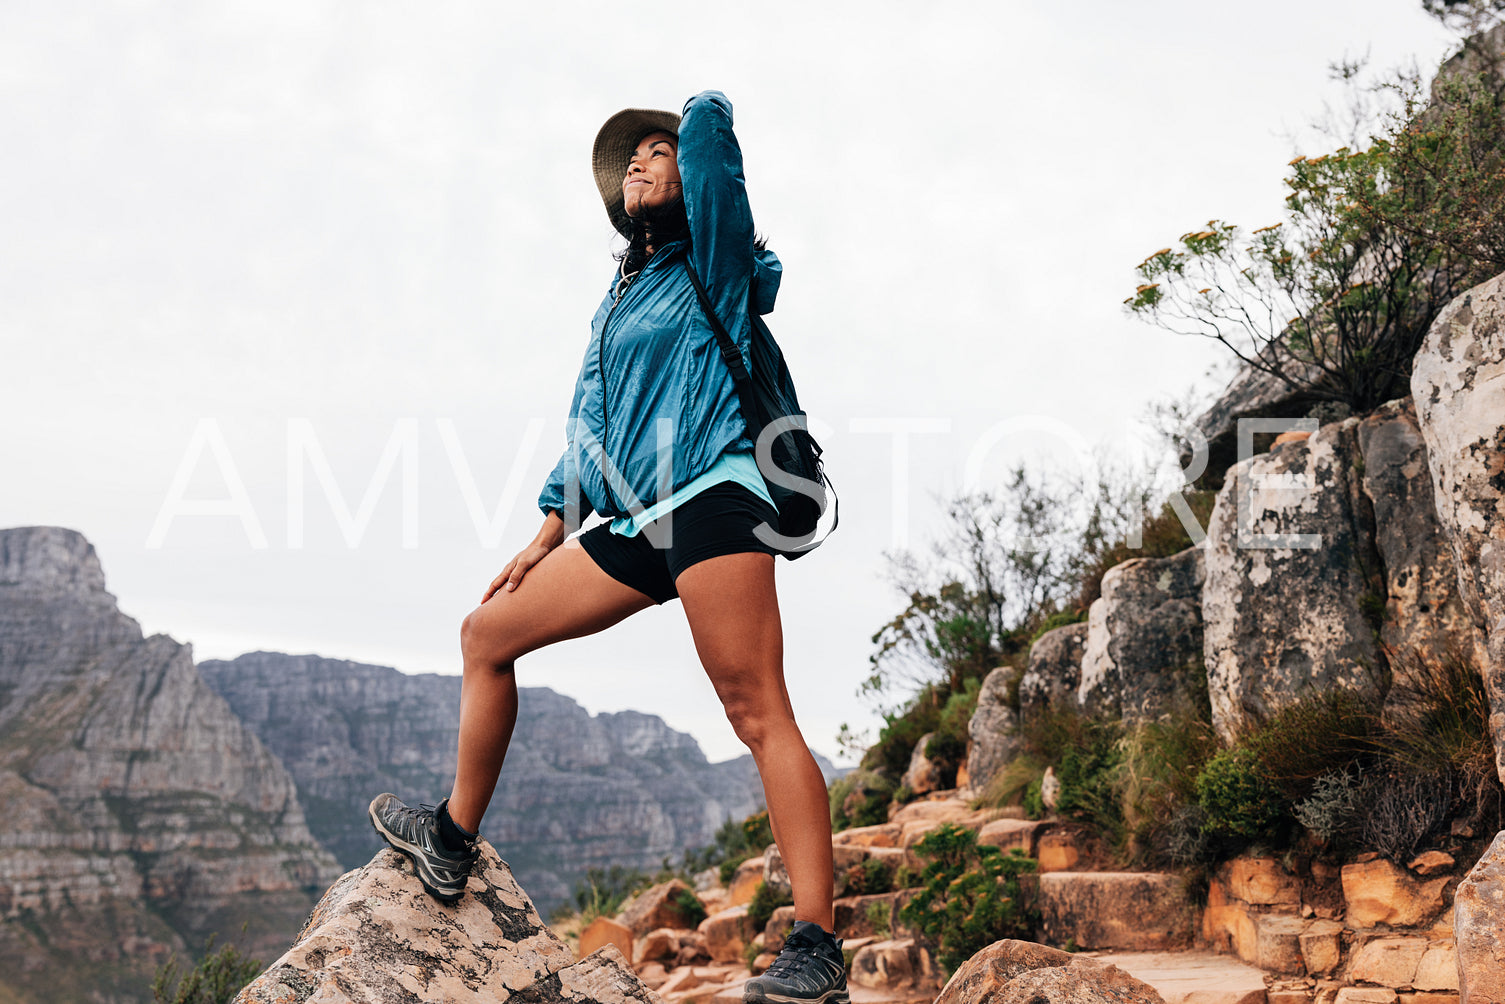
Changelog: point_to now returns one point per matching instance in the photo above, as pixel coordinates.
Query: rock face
(1423, 609)
(1459, 385)
(1279, 617)
(1479, 927)
(1054, 671)
(1143, 654)
(578, 791)
(137, 804)
(991, 729)
(1020, 972)
(377, 937)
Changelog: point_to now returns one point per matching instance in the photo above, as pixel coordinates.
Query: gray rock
(993, 729)
(1050, 789)
(1423, 610)
(1054, 671)
(1143, 654)
(1251, 394)
(141, 814)
(1458, 381)
(923, 776)
(1278, 620)
(1479, 928)
(489, 946)
(1021, 972)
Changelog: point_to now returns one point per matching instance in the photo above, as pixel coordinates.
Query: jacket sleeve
(563, 493)
(721, 225)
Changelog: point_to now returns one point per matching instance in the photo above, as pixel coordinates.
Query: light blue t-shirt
(732, 465)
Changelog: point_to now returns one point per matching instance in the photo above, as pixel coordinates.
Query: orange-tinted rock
(727, 934)
(1279, 943)
(1390, 962)
(745, 882)
(655, 946)
(1432, 863)
(1438, 969)
(1377, 892)
(1129, 911)
(1227, 924)
(1007, 833)
(923, 776)
(1322, 946)
(884, 964)
(1020, 972)
(882, 835)
(605, 931)
(1365, 995)
(915, 831)
(1479, 924)
(1262, 882)
(659, 906)
(761, 963)
(1058, 851)
(943, 810)
(854, 915)
(653, 974)
(778, 925)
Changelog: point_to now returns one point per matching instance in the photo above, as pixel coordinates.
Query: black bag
(767, 396)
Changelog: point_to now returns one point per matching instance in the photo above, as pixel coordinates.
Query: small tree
(216, 979)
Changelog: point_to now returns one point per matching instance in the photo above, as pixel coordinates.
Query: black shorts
(717, 521)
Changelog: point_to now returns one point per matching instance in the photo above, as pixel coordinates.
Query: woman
(657, 442)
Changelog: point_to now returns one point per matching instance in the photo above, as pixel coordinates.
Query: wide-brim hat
(615, 143)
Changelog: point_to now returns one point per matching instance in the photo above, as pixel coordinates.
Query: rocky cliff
(140, 814)
(578, 791)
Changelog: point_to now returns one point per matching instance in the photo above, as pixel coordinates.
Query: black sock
(452, 835)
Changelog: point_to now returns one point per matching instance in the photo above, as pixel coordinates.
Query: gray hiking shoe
(415, 832)
(810, 970)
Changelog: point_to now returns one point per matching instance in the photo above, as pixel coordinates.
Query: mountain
(141, 815)
(578, 791)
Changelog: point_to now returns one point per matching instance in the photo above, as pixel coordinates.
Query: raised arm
(721, 225)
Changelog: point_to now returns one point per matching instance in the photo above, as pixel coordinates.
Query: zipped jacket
(654, 403)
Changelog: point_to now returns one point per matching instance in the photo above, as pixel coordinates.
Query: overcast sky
(232, 229)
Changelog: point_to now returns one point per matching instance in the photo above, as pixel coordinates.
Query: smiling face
(652, 180)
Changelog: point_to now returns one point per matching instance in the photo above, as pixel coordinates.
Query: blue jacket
(654, 403)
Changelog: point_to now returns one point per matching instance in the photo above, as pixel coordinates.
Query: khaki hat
(614, 145)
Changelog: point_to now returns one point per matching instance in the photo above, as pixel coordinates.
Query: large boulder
(1143, 653)
(1479, 928)
(993, 729)
(1054, 671)
(668, 904)
(1423, 610)
(1291, 569)
(1020, 972)
(1125, 911)
(1458, 381)
(378, 937)
(1250, 394)
(924, 774)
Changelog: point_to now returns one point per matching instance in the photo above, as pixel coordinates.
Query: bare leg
(733, 612)
(565, 595)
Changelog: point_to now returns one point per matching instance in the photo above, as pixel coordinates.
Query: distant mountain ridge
(578, 791)
(141, 815)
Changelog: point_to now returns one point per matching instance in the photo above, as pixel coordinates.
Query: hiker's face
(652, 180)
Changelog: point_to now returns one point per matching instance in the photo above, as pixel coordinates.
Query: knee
(756, 721)
(480, 648)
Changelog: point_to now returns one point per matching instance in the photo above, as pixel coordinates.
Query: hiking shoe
(810, 970)
(415, 832)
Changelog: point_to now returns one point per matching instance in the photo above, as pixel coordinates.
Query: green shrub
(1089, 775)
(689, 907)
(1332, 811)
(1236, 796)
(947, 748)
(870, 877)
(1156, 782)
(215, 979)
(765, 900)
(860, 798)
(1060, 619)
(602, 891)
(879, 918)
(902, 729)
(970, 897)
(1319, 733)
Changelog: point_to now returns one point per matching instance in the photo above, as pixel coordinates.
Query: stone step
(1192, 977)
(1116, 911)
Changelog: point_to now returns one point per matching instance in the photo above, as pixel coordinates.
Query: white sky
(380, 217)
